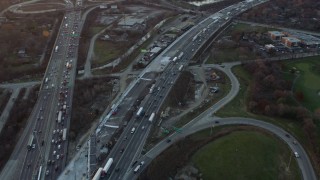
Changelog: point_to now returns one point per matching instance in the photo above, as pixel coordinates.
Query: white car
(296, 154)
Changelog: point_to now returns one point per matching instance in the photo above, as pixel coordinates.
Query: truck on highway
(174, 59)
(132, 130)
(180, 55)
(152, 87)
(140, 112)
(195, 37)
(136, 169)
(56, 49)
(108, 165)
(29, 145)
(152, 117)
(98, 174)
(180, 68)
(64, 134)
(59, 116)
(39, 173)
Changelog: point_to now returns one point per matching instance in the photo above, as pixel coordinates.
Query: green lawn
(96, 29)
(105, 52)
(308, 81)
(245, 156)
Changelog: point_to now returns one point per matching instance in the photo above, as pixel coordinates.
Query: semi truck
(140, 112)
(180, 55)
(29, 145)
(180, 68)
(98, 174)
(152, 117)
(59, 116)
(64, 134)
(108, 165)
(174, 59)
(152, 87)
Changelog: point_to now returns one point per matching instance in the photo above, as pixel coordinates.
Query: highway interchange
(58, 90)
(42, 147)
(129, 146)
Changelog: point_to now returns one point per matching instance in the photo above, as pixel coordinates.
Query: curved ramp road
(304, 162)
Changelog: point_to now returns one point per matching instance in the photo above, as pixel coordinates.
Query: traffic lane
(128, 155)
(32, 154)
(125, 145)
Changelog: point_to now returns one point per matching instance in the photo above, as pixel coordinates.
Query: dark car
(134, 163)
(168, 140)
(121, 151)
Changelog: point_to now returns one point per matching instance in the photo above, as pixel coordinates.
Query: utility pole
(289, 161)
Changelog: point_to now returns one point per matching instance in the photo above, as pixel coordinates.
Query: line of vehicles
(60, 132)
(163, 83)
(103, 171)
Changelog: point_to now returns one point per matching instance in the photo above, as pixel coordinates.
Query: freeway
(40, 152)
(208, 121)
(129, 145)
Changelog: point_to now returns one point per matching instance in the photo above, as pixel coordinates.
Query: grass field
(308, 81)
(105, 52)
(246, 155)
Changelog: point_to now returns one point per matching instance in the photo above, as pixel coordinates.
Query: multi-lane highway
(40, 153)
(129, 146)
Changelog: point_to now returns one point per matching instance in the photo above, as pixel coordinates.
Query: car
(295, 142)
(142, 163)
(47, 172)
(117, 169)
(33, 146)
(121, 151)
(287, 135)
(168, 140)
(142, 127)
(296, 154)
(58, 156)
(134, 163)
(59, 146)
(217, 122)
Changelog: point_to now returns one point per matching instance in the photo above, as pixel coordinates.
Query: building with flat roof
(290, 41)
(306, 39)
(275, 35)
(129, 22)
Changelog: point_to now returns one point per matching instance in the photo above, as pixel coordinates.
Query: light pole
(289, 161)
